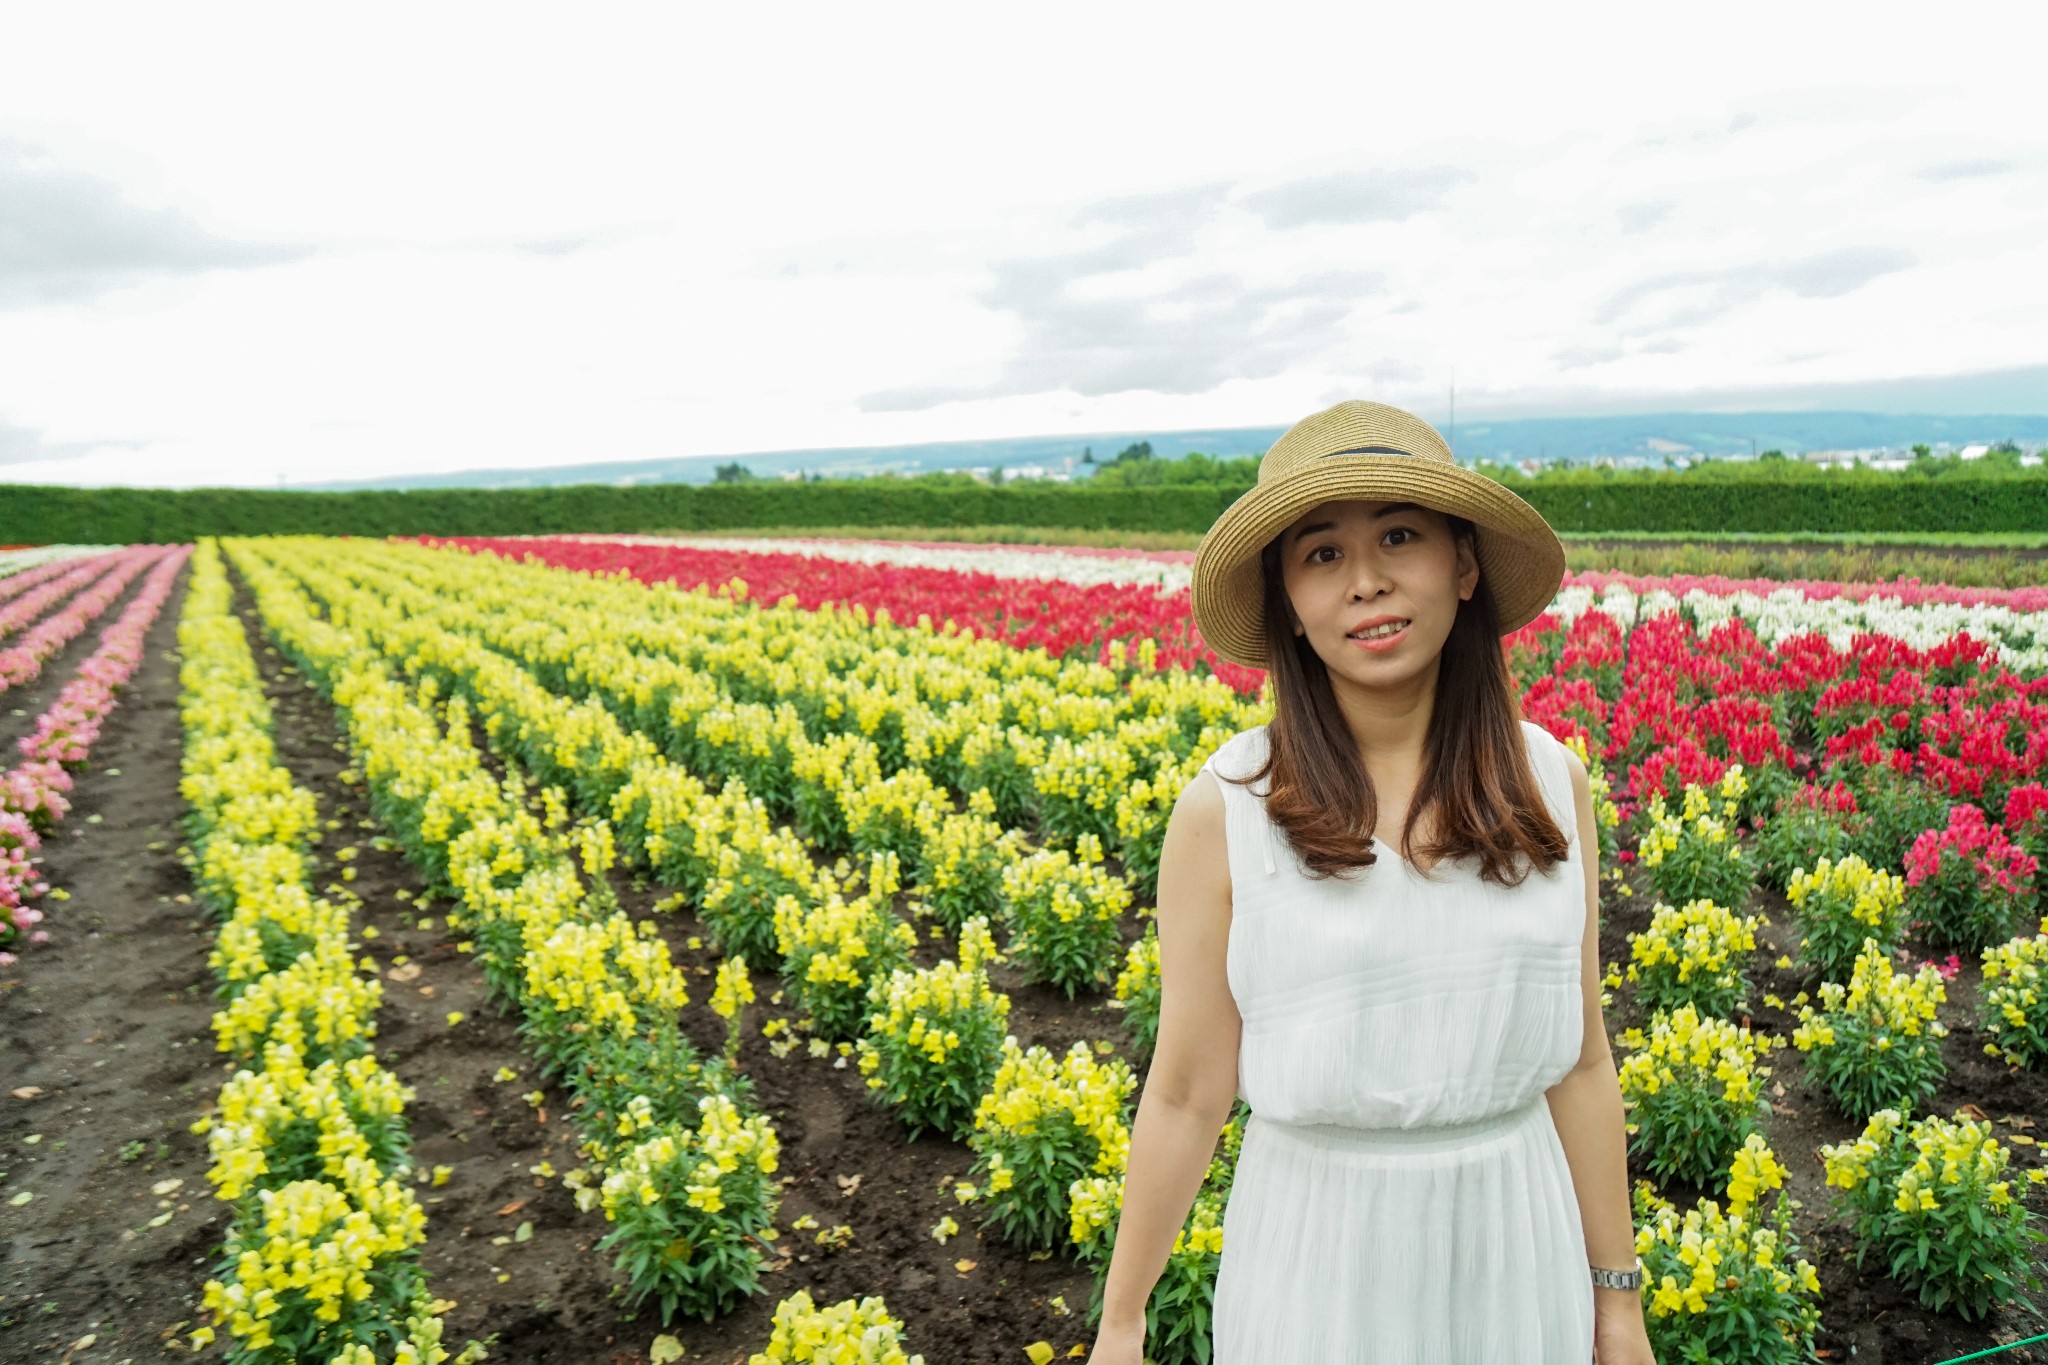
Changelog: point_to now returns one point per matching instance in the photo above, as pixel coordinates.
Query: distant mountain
(1630, 438)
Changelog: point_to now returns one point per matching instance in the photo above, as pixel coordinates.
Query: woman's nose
(1370, 581)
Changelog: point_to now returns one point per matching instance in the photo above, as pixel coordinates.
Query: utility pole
(1452, 439)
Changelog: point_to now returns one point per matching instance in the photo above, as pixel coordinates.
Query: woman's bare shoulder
(1192, 855)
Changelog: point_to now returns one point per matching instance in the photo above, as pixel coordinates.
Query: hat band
(1368, 450)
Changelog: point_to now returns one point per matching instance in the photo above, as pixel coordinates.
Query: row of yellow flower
(1064, 909)
(1063, 747)
(1693, 1089)
(1929, 1199)
(803, 1331)
(826, 760)
(1036, 1114)
(308, 1139)
(684, 1170)
(994, 1169)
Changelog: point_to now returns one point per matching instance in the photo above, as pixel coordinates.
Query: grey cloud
(1644, 216)
(68, 235)
(569, 243)
(1836, 272)
(1365, 196)
(1186, 339)
(1378, 375)
(1579, 357)
(1139, 210)
(20, 445)
(1706, 294)
(553, 246)
(1966, 169)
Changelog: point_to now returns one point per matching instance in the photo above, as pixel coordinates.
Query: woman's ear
(1468, 568)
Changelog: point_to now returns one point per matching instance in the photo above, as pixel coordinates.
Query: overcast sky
(252, 246)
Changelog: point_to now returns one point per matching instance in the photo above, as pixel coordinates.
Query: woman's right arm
(1192, 1079)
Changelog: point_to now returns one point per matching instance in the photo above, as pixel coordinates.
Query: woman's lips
(1384, 642)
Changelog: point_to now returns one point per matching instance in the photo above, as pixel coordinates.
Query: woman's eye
(1318, 550)
(1401, 531)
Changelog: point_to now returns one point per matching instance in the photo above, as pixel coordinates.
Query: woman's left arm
(1586, 1107)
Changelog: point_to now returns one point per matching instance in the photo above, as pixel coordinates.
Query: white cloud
(407, 238)
(66, 235)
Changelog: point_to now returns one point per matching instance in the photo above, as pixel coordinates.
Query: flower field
(628, 949)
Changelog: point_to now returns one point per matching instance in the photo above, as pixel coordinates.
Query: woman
(1378, 925)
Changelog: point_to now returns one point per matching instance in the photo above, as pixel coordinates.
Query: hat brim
(1520, 556)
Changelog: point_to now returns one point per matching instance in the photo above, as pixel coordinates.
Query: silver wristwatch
(1619, 1279)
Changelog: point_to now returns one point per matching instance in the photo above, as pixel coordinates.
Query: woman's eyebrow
(1390, 510)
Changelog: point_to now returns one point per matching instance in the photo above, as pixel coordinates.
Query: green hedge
(1611, 502)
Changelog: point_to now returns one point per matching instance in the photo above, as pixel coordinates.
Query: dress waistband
(1424, 1138)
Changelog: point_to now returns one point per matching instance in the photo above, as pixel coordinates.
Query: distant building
(1975, 452)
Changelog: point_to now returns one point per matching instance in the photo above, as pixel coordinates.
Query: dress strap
(1244, 814)
(1546, 752)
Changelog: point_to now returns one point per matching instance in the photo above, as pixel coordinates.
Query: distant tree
(1772, 455)
(1921, 450)
(947, 478)
(1087, 454)
(1192, 468)
(1137, 450)
(2005, 456)
(733, 473)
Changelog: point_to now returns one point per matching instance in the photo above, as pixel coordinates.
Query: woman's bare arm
(1586, 1105)
(1192, 1079)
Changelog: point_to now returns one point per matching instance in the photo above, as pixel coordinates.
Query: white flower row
(14, 561)
(1058, 564)
(2021, 637)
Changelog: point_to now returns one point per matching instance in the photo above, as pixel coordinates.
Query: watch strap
(1619, 1279)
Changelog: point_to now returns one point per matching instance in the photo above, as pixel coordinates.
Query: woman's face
(1348, 565)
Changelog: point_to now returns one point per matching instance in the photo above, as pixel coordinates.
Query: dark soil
(123, 990)
(109, 1023)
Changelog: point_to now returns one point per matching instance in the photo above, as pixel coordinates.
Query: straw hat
(1374, 452)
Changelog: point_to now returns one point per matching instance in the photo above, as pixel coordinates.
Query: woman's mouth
(1381, 638)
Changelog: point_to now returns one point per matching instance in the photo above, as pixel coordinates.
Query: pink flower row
(43, 573)
(29, 605)
(23, 661)
(33, 795)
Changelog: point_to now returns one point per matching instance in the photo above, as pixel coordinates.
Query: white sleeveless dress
(1402, 1196)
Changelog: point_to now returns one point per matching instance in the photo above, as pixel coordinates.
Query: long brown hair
(1476, 773)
